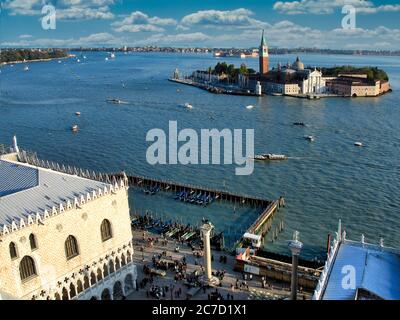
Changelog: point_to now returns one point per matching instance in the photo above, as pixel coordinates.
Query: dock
(213, 88)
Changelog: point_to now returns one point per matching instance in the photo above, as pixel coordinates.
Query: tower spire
(263, 42)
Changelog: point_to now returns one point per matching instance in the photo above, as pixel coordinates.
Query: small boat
(298, 124)
(74, 128)
(250, 107)
(270, 156)
(84, 57)
(309, 138)
(358, 144)
(106, 59)
(26, 68)
(112, 56)
(78, 60)
(77, 113)
(118, 101)
(59, 61)
(188, 106)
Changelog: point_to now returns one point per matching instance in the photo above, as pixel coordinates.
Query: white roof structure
(27, 190)
(252, 236)
(375, 269)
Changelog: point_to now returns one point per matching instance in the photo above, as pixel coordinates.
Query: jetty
(214, 89)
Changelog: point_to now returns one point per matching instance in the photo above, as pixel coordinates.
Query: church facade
(63, 237)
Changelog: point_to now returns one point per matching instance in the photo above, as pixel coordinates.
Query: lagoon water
(324, 181)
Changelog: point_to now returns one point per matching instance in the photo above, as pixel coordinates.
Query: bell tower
(263, 54)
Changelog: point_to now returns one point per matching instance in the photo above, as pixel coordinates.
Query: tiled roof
(25, 189)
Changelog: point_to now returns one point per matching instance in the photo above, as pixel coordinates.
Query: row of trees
(373, 73)
(230, 70)
(11, 55)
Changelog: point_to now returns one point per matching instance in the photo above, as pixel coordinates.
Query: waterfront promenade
(272, 291)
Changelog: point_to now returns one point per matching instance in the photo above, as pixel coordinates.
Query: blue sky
(215, 23)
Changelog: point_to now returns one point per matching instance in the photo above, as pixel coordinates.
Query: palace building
(62, 236)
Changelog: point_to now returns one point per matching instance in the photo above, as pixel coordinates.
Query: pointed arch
(128, 257)
(13, 250)
(105, 230)
(99, 274)
(117, 263)
(27, 268)
(33, 241)
(92, 278)
(65, 294)
(71, 247)
(105, 270)
(72, 290)
(86, 283)
(79, 286)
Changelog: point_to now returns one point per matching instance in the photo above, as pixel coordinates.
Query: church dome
(298, 65)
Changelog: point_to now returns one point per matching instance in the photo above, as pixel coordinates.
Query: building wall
(50, 259)
(385, 87)
(366, 90)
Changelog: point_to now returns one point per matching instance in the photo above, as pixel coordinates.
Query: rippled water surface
(322, 182)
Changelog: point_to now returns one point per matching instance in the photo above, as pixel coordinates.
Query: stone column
(295, 247)
(206, 233)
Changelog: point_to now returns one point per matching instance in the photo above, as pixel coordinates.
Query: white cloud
(329, 6)
(234, 18)
(65, 9)
(138, 21)
(96, 39)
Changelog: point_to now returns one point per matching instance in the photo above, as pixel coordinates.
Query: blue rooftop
(15, 178)
(377, 272)
(25, 189)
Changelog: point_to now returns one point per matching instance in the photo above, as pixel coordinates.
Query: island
(11, 56)
(291, 79)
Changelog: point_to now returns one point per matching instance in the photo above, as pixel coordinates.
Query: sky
(203, 23)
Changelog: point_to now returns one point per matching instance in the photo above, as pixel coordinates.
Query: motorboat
(358, 144)
(309, 138)
(106, 59)
(26, 68)
(117, 101)
(112, 56)
(188, 105)
(74, 128)
(270, 156)
(77, 113)
(249, 107)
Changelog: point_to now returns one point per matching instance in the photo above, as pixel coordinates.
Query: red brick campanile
(263, 54)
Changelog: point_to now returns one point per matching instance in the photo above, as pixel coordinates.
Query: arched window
(71, 247)
(27, 268)
(13, 250)
(79, 286)
(32, 241)
(106, 232)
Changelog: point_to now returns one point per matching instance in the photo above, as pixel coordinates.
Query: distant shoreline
(38, 60)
